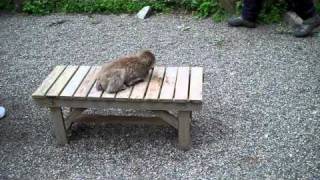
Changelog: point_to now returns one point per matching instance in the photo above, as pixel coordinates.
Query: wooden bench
(171, 93)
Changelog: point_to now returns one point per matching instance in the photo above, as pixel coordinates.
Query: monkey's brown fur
(124, 71)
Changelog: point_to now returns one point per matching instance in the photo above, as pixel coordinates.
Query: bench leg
(75, 112)
(184, 124)
(58, 125)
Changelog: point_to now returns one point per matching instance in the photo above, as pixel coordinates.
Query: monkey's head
(102, 82)
(147, 57)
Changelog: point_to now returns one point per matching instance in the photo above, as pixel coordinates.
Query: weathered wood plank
(94, 93)
(139, 90)
(155, 84)
(134, 105)
(169, 82)
(74, 83)
(182, 84)
(107, 95)
(58, 125)
(125, 120)
(184, 118)
(62, 81)
(72, 116)
(167, 117)
(87, 83)
(196, 83)
(124, 94)
(48, 82)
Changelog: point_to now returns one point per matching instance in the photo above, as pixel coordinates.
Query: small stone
(144, 12)
(290, 155)
(180, 27)
(186, 28)
(183, 27)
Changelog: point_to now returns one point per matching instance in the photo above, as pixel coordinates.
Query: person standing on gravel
(304, 8)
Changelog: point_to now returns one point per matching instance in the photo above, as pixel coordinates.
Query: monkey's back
(133, 66)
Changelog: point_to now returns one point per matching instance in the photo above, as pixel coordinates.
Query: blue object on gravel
(2, 112)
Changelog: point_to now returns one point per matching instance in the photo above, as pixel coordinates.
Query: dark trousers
(304, 8)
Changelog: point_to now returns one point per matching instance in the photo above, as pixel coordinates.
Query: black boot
(241, 22)
(306, 28)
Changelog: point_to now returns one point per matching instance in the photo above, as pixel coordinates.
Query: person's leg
(250, 12)
(251, 9)
(306, 10)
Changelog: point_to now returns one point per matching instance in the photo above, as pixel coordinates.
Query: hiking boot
(306, 28)
(241, 22)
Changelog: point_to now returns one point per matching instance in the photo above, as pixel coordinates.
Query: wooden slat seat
(165, 89)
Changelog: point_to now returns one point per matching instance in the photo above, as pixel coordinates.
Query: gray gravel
(260, 118)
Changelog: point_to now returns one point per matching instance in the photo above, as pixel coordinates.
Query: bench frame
(163, 91)
(162, 110)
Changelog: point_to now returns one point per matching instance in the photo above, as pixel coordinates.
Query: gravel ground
(260, 118)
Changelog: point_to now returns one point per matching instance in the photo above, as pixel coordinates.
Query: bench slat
(94, 93)
(86, 84)
(196, 81)
(74, 83)
(48, 82)
(124, 94)
(182, 84)
(169, 83)
(61, 82)
(139, 90)
(108, 95)
(155, 83)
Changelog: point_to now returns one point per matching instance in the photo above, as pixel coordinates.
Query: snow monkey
(125, 71)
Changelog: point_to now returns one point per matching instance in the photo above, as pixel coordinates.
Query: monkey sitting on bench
(124, 71)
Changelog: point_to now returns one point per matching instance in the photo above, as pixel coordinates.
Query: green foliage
(6, 5)
(39, 6)
(205, 8)
(90, 6)
(272, 13)
(318, 7)
(239, 6)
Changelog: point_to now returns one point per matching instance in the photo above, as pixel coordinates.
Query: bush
(271, 13)
(90, 6)
(6, 5)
